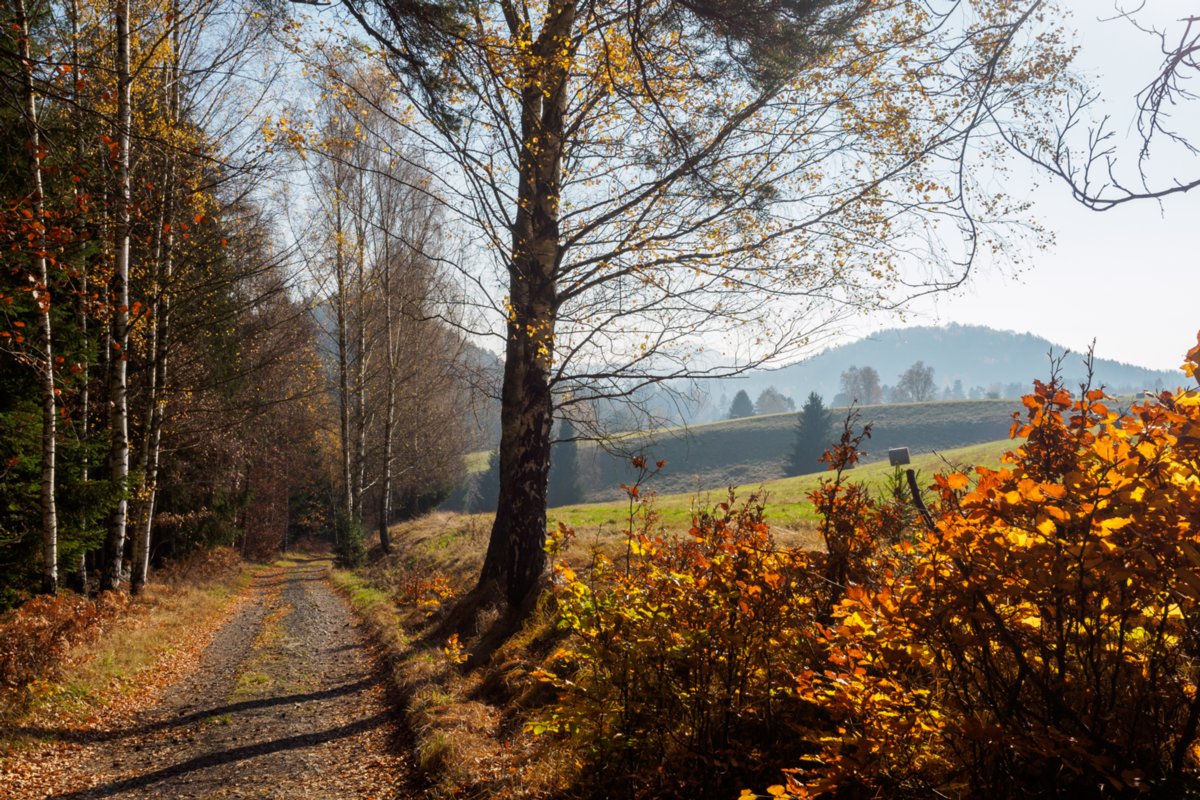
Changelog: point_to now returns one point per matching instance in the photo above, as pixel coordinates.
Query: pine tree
(814, 433)
(741, 406)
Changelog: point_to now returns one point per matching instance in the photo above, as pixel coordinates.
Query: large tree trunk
(516, 551)
(43, 300)
(114, 545)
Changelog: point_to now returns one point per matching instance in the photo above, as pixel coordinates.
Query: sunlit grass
(787, 503)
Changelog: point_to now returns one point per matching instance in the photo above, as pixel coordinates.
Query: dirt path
(288, 702)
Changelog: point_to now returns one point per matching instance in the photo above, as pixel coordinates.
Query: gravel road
(288, 701)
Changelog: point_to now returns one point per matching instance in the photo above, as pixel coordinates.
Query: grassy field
(753, 450)
(787, 502)
(449, 540)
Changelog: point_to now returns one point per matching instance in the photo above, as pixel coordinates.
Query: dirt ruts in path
(288, 702)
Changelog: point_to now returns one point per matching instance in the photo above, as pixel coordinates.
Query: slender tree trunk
(82, 305)
(144, 506)
(389, 418)
(343, 362)
(516, 548)
(43, 300)
(114, 545)
(360, 380)
(160, 336)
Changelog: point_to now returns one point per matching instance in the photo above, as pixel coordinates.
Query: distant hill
(753, 449)
(984, 359)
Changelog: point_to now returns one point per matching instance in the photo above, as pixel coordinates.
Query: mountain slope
(978, 356)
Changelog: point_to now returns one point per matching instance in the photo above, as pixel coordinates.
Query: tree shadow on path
(228, 757)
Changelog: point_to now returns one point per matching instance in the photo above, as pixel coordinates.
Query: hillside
(752, 450)
(980, 358)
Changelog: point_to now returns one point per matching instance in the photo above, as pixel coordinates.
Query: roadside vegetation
(81, 663)
(883, 656)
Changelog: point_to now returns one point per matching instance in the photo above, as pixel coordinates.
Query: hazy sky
(1129, 277)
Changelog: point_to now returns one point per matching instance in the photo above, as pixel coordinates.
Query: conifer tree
(814, 433)
(564, 489)
(741, 406)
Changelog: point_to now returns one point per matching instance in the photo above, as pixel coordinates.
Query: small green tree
(814, 432)
(741, 406)
(564, 487)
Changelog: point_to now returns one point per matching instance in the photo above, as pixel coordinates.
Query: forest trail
(288, 701)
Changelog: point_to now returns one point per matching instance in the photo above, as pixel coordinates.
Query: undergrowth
(66, 655)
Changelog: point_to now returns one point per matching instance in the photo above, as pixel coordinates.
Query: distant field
(754, 449)
(787, 504)
(788, 510)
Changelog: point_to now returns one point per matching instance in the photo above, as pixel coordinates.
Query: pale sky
(1128, 277)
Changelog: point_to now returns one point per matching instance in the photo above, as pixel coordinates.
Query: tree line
(172, 358)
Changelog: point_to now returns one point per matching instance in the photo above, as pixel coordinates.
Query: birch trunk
(343, 365)
(160, 336)
(360, 380)
(389, 418)
(85, 376)
(114, 546)
(43, 300)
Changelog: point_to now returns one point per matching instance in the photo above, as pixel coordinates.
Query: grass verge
(103, 680)
(467, 724)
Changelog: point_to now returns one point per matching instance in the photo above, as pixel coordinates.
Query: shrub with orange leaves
(1040, 637)
(428, 593)
(1043, 640)
(676, 679)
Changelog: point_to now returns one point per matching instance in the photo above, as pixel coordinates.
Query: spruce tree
(814, 433)
(741, 406)
(564, 487)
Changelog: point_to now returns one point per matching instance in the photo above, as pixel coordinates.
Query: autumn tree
(916, 385)
(814, 435)
(772, 401)
(375, 255)
(642, 175)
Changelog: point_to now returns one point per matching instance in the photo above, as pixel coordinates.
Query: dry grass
(125, 663)
(466, 723)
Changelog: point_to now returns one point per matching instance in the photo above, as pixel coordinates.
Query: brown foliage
(35, 638)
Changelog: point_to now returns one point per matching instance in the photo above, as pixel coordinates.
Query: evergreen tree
(741, 406)
(564, 487)
(814, 433)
